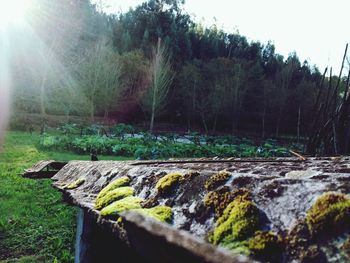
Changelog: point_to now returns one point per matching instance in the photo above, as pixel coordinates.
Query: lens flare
(12, 15)
(13, 12)
(4, 86)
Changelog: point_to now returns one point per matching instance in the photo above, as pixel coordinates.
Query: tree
(98, 76)
(284, 82)
(161, 78)
(189, 79)
(237, 91)
(220, 80)
(134, 79)
(254, 94)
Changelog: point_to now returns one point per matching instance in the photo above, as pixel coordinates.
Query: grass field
(35, 224)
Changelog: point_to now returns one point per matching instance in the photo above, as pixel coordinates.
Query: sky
(317, 30)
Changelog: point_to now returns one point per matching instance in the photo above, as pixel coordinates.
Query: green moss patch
(190, 175)
(127, 203)
(329, 215)
(237, 229)
(239, 221)
(161, 213)
(167, 182)
(171, 180)
(218, 200)
(237, 247)
(75, 184)
(113, 195)
(266, 246)
(216, 180)
(119, 182)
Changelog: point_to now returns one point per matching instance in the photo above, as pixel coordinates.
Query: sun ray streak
(5, 82)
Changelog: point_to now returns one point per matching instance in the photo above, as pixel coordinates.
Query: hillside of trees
(154, 64)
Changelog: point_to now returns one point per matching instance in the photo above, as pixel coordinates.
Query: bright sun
(13, 12)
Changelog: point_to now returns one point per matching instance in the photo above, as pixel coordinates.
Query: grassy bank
(35, 224)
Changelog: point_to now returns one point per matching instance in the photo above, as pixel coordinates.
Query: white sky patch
(317, 30)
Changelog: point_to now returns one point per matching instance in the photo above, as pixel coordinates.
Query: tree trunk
(278, 127)
(278, 123)
(204, 124)
(42, 96)
(233, 127)
(67, 116)
(194, 103)
(214, 124)
(235, 122)
(299, 121)
(106, 115)
(335, 140)
(151, 123)
(153, 104)
(92, 112)
(263, 121)
(188, 122)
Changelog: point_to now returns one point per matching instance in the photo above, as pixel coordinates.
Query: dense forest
(154, 64)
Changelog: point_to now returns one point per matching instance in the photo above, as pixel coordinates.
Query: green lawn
(35, 224)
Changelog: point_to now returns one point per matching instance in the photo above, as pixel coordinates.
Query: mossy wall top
(209, 206)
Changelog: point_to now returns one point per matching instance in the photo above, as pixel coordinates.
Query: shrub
(121, 129)
(69, 128)
(48, 141)
(94, 129)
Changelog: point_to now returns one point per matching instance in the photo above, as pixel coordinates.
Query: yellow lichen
(113, 195)
(329, 215)
(75, 184)
(119, 182)
(217, 180)
(161, 213)
(127, 203)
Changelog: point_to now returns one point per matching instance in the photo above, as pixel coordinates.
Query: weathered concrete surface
(283, 189)
(100, 242)
(162, 243)
(44, 169)
(151, 240)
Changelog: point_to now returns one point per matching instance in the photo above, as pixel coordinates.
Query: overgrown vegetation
(33, 220)
(35, 224)
(148, 146)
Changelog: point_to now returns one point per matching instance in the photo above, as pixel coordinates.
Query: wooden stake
(302, 158)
